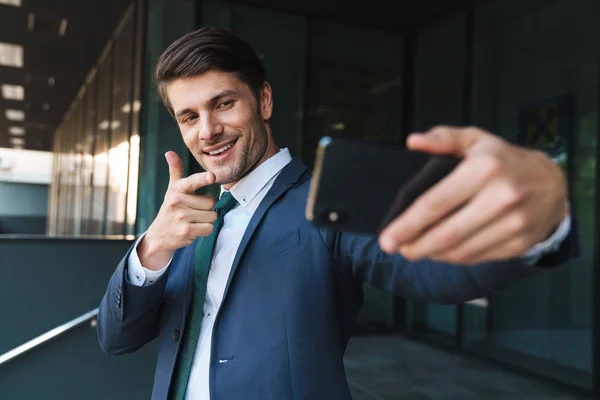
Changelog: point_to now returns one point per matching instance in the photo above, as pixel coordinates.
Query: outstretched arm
(359, 258)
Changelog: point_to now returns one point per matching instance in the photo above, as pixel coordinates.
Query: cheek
(241, 119)
(190, 138)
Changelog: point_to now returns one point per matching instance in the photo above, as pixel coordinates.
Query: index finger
(194, 182)
(436, 203)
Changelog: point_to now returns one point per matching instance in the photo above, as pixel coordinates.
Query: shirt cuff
(137, 274)
(533, 255)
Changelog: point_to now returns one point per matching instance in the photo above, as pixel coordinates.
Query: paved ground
(393, 367)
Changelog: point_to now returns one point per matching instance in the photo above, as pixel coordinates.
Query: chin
(223, 176)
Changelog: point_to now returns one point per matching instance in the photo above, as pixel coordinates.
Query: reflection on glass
(134, 164)
(120, 127)
(102, 140)
(94, 189)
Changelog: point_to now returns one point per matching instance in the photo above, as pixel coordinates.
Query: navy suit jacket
(290, 302)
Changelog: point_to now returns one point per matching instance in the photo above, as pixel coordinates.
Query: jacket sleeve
(359, 257)
(128, 315)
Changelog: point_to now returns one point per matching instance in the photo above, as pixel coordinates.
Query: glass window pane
(103, 120)
(118, 155)
(69, 173)
(88, 127)
(355, 85)
(77, 188)
(134, 141)
(534, 81)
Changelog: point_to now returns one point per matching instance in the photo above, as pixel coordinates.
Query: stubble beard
(249, 156)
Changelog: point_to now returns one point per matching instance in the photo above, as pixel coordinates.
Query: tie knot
(226, 203)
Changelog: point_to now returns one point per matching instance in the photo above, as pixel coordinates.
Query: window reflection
(94, 189)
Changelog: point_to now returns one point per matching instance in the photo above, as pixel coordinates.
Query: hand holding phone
(498, 202)
(361, 186)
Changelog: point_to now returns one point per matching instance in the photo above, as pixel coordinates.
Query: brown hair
(208, 49)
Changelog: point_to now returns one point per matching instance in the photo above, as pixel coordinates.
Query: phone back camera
(334, 217)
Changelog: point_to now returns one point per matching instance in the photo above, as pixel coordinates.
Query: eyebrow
(212, 101)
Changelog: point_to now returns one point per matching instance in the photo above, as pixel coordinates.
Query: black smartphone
(361, 186)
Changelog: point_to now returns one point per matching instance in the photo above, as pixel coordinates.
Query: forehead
(200, 89)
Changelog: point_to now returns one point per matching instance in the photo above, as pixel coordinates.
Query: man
(248, 299)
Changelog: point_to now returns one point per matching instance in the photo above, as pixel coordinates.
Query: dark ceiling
(47, 55)
(90, 24)
(401, 15)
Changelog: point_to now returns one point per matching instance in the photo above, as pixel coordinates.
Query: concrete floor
(393, 367)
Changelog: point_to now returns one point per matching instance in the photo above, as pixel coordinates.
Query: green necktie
(203, 259)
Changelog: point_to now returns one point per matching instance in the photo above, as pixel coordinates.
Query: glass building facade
(97, 145)
(527, 70)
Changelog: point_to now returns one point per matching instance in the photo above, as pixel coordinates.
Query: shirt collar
(246, 189)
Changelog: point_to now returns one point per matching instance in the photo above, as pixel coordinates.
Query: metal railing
(51, 334)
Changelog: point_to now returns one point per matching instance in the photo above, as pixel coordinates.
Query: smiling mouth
(221, 149)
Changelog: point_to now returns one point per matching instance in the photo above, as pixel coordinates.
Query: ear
(266, 101)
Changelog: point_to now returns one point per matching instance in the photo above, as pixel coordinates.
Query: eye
(225, 104)
(189, 118)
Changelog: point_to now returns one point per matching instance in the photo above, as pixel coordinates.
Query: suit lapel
(188, 285)
(289, 176)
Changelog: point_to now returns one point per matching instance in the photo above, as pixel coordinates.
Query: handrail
(43, 338)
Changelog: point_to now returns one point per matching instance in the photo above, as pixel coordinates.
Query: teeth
(222, 149)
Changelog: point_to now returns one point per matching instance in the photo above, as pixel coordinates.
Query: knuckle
(490, 167)
(179, 216)
(423, 206)
(189, 187)
(409, 252)
(186, 230)
(442, 131)
(518, 246)
(176, 199)
(410, 226)
(207, 229)
(449, 239)
(512, 195)
(456, 257)
(475, 131)
(518, 222)
(212, 202)
(170, 205)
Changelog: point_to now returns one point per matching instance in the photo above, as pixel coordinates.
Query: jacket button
(176, 335)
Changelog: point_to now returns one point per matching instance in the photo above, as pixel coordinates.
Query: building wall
(24, 179)
(23, 208)
(50, 282)
(23, 199)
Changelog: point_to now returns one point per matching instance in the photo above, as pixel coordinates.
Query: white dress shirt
(249, 192)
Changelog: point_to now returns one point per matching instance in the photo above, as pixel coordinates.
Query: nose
(210, 128)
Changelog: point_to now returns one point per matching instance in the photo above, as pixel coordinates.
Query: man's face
(222, 123)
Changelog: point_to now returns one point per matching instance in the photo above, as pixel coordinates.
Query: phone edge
(316, 178)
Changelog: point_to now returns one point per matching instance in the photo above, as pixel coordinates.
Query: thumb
(446, 140)
(175, 167)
